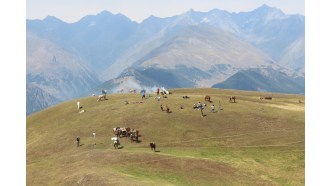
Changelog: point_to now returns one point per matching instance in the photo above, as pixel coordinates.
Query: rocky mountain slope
(54, 72)
(194, 49)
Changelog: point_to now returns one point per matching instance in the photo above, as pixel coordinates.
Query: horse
(232, 99)
(168, 109)
(153, 146)
(128, 132)
(118, 132)
(115, 144)
(123, 132)
(101, 97)
(267, 97)
(134, 137)
(208, 98)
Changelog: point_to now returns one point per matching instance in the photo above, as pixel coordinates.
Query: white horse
(115, 142)
(101, 97)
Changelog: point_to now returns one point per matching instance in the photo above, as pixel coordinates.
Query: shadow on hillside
(121, 147)
(157, 150)
(81, 145)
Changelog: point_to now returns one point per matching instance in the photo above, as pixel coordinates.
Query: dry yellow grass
(251, 142)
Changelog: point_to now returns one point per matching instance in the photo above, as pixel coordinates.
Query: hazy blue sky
(137, 10)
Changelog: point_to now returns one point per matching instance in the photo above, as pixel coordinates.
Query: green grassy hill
(251, 142)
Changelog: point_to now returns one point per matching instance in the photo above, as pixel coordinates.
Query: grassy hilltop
(251, 142)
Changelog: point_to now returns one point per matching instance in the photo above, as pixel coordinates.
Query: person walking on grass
(78, 141)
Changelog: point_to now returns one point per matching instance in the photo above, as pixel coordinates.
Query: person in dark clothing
(161, 107)
(78, 140)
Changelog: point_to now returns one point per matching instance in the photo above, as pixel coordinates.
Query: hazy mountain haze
(193, 49)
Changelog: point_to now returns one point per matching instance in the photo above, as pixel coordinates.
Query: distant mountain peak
(265, 9)
(191, 10)
(218, 11)
(105, 12)
(52, 19)
(151, 18)
(268, 13)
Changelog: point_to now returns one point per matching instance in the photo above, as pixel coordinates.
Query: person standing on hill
(78, 104)
(78, 141)
(158, 91)
(202, 114)
(104, 92)
(199, 105)
(143, 94)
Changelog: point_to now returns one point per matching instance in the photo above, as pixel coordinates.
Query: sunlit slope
(251, 142)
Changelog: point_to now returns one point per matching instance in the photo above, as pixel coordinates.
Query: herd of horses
(132, 134)
(232, 99)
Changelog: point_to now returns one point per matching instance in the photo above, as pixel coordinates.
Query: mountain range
(262, 50)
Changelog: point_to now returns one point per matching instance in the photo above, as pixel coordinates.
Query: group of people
(200, 106)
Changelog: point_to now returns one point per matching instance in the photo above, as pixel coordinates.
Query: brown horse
(232, 99)
(208, 98)
(153, 146)
(168, 109)
(267, 97)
